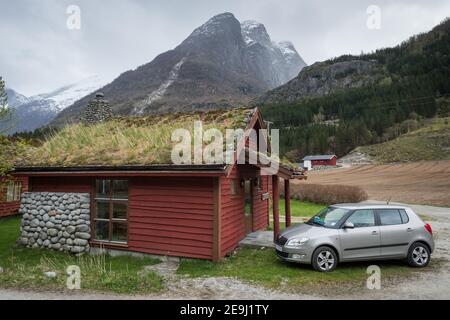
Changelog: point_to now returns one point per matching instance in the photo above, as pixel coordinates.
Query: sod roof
(125, 141)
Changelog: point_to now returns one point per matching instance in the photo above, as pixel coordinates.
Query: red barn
(155, 207)
(321, 160)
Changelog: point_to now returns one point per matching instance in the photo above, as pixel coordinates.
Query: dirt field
(426, 182)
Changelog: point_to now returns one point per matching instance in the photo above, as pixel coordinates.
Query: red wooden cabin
(10, 191)
(196, 211)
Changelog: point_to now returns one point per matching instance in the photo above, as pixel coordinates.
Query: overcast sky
(39, 53)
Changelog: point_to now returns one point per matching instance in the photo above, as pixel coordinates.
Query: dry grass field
(424, 182)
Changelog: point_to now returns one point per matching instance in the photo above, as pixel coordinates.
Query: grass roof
(125, 140)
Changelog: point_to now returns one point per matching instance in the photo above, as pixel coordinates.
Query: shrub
(327, 194)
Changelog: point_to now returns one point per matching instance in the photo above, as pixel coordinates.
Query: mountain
(382, 67)
(30, 113)
(323, 78)
(349, 101)
(14, 98)
(286, 63)
(222, 64)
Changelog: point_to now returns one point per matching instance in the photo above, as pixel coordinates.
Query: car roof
(354, 206)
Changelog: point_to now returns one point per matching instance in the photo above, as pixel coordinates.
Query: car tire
(419, 255)
(324, 259)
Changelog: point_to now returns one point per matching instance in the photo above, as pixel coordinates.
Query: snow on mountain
(285, 59)
(34, 112)
(67, 95)
(255, 32)
(159, 93)
(15, 98)
(212, 26)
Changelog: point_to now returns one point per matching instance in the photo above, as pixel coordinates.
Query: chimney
(98, 109)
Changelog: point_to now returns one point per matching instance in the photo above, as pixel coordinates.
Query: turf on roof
(126, 141)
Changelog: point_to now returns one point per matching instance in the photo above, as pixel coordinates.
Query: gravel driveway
(427, 285)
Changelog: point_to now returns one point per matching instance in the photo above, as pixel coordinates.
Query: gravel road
(427, 285)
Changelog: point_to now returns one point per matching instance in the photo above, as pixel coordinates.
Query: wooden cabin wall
(10, 208)
(171, 216)
(232, 212)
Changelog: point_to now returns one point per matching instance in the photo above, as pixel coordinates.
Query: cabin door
(248, 206)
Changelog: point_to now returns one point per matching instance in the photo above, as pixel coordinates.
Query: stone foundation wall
(58, 221)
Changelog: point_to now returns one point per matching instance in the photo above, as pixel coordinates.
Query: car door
(395, 233)
(363, 241)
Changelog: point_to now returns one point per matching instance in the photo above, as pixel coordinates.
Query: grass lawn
(264, 268)
(24, 268)
(301, 208)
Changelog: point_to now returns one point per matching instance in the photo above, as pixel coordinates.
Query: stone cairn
(58, 221)
(98, 110)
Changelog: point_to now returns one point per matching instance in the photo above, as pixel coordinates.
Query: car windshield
(328, 217)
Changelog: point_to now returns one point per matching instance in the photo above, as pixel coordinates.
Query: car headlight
(297, 242)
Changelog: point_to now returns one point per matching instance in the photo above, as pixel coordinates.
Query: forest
(417, 87)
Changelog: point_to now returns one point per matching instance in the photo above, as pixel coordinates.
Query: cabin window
(111, 211)
(13, 191)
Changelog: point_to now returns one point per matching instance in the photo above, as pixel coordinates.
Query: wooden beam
(287, 202)
(217, 217)
(275, 207)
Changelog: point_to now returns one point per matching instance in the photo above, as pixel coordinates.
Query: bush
(327, 194)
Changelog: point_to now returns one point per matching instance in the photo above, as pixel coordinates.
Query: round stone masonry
(58, 221)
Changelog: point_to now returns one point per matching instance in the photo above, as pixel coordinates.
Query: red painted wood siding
(232, 212)
(167, 215)
(331, 162)
(233, 218)
(174, 215)
(261, 207)
(11, 208)
(61, 184)
(171, 216)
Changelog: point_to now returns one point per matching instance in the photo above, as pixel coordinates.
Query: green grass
(126, 141)
(264, 268)
(431, 142)
(24, 268)
(298, 209)
(301, 208)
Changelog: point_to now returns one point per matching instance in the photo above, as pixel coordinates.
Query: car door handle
(374, 233)
(409, 229)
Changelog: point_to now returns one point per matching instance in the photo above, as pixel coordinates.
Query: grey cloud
(39, 53)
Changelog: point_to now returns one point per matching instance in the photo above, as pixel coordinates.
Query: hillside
(431, 142)
(224, 63)
(337, 105)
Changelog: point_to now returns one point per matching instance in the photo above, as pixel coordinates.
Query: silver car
(358, 232)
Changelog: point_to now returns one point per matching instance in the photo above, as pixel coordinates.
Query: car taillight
(428, 227)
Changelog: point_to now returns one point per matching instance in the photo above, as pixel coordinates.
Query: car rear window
(390, 217)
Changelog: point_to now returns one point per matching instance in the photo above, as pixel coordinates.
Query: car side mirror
(349, 225)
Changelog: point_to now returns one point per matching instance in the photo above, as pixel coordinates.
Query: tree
(4, 111)
(6, 147)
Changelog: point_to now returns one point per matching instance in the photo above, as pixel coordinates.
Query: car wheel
(419, 255)
(324, 259)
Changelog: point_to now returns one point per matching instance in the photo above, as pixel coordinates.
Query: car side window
(390, 217)
(404, 215)
(362, 218)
